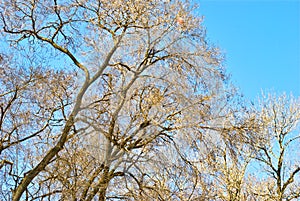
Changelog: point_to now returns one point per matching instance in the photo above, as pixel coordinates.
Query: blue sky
(261, 41)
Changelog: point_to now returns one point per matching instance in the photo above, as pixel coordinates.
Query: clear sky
(261, 41)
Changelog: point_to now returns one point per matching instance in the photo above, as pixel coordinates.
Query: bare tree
(276, 143)
(133, 79)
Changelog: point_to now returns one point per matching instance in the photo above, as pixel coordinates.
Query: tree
(276, 144)
(109, 86)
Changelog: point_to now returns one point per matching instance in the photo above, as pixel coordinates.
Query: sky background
(261, 41)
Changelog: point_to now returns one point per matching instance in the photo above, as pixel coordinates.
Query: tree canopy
(127, 100)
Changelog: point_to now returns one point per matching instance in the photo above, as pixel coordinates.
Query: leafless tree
(276, 144)
(132, 80)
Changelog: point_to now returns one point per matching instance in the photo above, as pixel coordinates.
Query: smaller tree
(276, 144)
